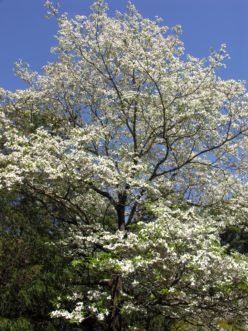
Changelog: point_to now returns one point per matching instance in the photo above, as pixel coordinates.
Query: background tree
(33, 270)
(142, 149)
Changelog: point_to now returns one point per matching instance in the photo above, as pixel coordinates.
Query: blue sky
(26, 35)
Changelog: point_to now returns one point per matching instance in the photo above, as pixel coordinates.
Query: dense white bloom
(144, 149)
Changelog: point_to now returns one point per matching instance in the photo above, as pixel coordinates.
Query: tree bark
(120, 211)
(116, 319)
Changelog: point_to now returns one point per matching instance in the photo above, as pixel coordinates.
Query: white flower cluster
(121, 136)
(175, 263)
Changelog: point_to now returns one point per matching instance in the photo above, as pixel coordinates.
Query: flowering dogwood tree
(142, 149)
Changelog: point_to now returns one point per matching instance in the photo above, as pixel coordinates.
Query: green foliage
(236, 238)
(33, 270)
(19, 324)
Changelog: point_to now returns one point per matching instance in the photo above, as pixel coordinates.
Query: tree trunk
(115, 319)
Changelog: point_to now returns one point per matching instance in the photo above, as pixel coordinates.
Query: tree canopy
(140, 150)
